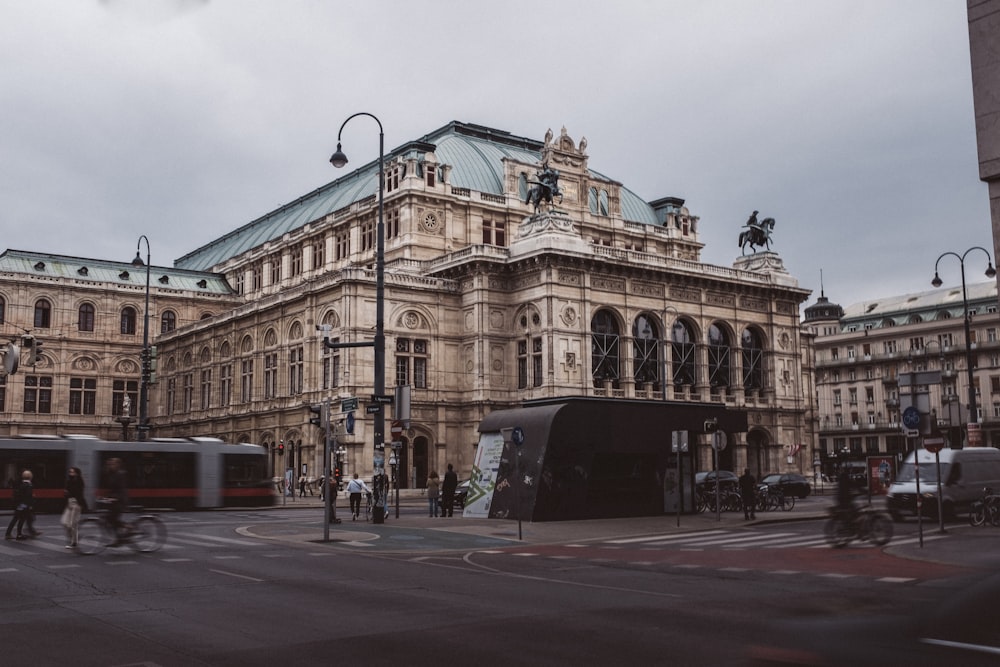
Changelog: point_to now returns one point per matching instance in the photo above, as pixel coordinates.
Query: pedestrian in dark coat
(24, 502)
(748, 493)
(448, 487)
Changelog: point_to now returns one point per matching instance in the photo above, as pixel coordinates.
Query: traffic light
(337, 475)
(319, 418)
(36, 357)
(281, 448)
(151, 361)
(28, 350)
(711, 425)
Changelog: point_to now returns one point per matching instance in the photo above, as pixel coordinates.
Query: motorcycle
(862, 525)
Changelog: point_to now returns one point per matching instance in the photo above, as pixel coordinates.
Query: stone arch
(605, 343)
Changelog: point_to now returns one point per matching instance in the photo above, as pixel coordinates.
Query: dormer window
(123, 275)
(39, 266)
(164, 280)
(83, 271)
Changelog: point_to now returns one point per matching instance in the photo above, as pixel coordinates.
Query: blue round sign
(911, 417)
(349, 425)
(517, 436)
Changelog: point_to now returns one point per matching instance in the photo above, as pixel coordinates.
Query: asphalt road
(262, 588)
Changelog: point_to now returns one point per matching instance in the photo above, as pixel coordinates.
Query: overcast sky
(848, 121)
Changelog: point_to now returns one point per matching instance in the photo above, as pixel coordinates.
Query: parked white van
(964, 473)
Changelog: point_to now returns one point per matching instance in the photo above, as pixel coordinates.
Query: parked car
(461, 493)
(726, 479)
(789, 483)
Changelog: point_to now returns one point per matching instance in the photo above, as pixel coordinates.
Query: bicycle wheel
(977, 515)
(879, 529)
(838, 533)
(93, 537)
(992, 513)
(787, 503)
(772, 502)
(148, 534)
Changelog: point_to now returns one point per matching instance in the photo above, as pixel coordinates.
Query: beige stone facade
(488, 303)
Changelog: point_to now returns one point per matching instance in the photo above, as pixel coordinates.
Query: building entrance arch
(757, 458)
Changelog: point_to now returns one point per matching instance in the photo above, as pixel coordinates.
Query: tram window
(48, 468)
(154, 470)
(244, 469)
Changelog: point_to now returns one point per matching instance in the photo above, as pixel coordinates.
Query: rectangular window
(889, 347)
(342, 244)
(391, 223)
(495, 232)
(271, 375)
(226, 384)
(331, 366)
(206, 388)
(430, 174)
(411, 355)
(256, 276)
(275, 269)
(916, 343)
(171, 395)
(991, 335)
(83, 396)
(121, 388)
(869, 394)
(945, 340)
(295, 370)
(866, 349)
(188, 392)
(240, 282)
(296, 260)
(871, 444)
(836, 397)
(834, 353)
(850, 351)
(536, 362)
(853, 396)
(246, 380)
(3, 393)
(319, 252)
(367, 235)
(38, 394)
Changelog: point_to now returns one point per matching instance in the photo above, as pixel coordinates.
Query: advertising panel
(484, 475)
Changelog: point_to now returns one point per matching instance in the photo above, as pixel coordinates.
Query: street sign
(373, 408)
(911, 417)
(934, 444)
(975, 435)
(349, 422)
(396, 430)
(348, 404)
(517, 436)
(385, 400)
(911, 432)
(718, 441)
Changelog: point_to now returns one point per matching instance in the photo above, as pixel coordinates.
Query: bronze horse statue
(757, 235)
(544, 189)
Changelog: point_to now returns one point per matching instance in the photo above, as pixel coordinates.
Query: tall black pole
(143, 427)
(339, 160)
(936, 282)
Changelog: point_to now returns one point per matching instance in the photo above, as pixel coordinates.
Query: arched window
(128, 320)
(645, 343)
(168, 321)
(719, 366)
(85, 321)
(43, 314)
(682, 349)
(753, 360)
(604, 350)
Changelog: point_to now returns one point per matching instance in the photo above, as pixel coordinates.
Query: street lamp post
(339, 159)
(142, 429)
(936, 282)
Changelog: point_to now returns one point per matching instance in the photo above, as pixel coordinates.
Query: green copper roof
(474, 152)
(116, 273)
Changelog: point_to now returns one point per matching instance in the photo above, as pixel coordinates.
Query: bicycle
(864, 524)
(368, 506)
(145, 533)
(985, 509)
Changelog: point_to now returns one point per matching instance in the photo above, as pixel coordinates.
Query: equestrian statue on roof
(546, 188)
(756, 234)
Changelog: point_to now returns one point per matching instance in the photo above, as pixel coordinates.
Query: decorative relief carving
(411, 320)
(753, 303)
(470, 320)
(718, 299)
(786, 308)
(784, 340)
(528, 280)
(496, 319)
(647, 289)
(430, 222)
(608, 284)
(568, 315)
(570, 278)
(127, 367)
(498, 283)
(84, 364)
(690, 294)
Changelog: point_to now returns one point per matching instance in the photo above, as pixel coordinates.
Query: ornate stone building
(866, 353)
(488, 302)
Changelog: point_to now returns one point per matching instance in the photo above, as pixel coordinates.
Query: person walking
(748, 493)
(75, 504)
(448, 488)
(24, 501)
(356, 487)
(302, 486)
(433, 491)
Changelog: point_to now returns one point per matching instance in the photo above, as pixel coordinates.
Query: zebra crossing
(54, 541)
(723, 539)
